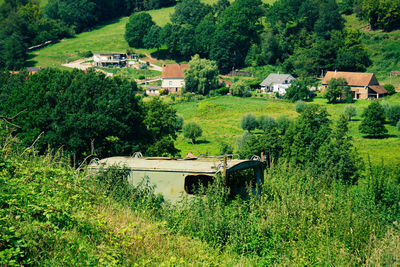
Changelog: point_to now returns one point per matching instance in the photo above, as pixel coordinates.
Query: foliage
(266, 123)
(83, 113)
(249, 122)
(307, 134)
(381, 14)
(392, 113)
(239, 88)
(373, 123)
(298, 90)
(300, 106)
(225, 149)
(192, 131)
(152, 38)
(137, 28)
(338, 89)
(337, 156)
(202, 76)
(189, 12)
(178, 123)
(390, 89)
(161, 121)
(398, 125)
(350, 111)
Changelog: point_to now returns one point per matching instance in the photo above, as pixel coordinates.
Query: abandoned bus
(174, 177)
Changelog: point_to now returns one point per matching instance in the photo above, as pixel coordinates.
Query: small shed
(174, 177)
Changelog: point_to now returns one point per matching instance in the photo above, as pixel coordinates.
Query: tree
(298, 90)
(136, 28)
(190, 12)
(329, 19)
(249, 122)
(192, 131)
(266, 122)
(300, 106)
(398, 126)
(337, 156)
(373, 123)
(350, 111)
(83, 113)
(390, 89)
(239, 88)
(338, 88)
(202, 76)
(14, 54)
(152, 38)
(306, 135)
(161, 122)
(178, 123)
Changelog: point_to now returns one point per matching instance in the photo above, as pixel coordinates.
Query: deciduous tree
(136, 28)
(373, 123)
(202, 76)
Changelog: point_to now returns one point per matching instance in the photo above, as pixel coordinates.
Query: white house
(277, 83)
(173, 77)
(109, 59)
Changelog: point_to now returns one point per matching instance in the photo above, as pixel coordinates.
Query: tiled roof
(276, 78)
(174, 71)
(352, 78)
(378, 89)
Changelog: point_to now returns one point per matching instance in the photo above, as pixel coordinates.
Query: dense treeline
(305, 36)
(83, 15)
(380, 14)
(23, 24)
(85, 113)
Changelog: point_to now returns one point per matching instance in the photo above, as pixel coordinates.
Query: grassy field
(220, 118)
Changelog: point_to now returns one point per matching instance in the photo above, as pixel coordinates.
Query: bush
(225, 149)
(85, 54)
(350, 111)
(266, 122)
(141, 77)
(282, 124)
(222, 91)
(390, 89)
(398, 126)
(392, 113)
(239, 88)
(249, 122)
(192, 131)
(300, 106)
(178, 123)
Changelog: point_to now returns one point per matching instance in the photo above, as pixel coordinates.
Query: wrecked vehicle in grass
(173, 177)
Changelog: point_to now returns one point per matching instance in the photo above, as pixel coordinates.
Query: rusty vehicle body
(174, 177)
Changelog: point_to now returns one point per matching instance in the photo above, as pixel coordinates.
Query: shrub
(390, 89)
(222, 91)
(393, 113)
(398, 125)
(350, 111)
(239, 88)
(225, 148)
(178, 123)
(300, 106)
(141, 77)
(192, 131)
(249, 122)
(282, 124)
(266, 122)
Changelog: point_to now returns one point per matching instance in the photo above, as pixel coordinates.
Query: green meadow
(220, 119)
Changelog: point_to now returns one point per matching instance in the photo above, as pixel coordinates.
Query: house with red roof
(363, 85)
(173, 77)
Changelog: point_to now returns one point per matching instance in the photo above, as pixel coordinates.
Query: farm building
(363, 85)
(174, 177)
(277, 83)
(109, 59)
(173, 77)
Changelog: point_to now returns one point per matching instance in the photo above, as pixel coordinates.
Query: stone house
(363, 85)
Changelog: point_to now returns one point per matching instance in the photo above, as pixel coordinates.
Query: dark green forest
(85, 114)
(306, 37)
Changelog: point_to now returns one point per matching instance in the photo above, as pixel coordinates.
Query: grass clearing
(220, 119)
